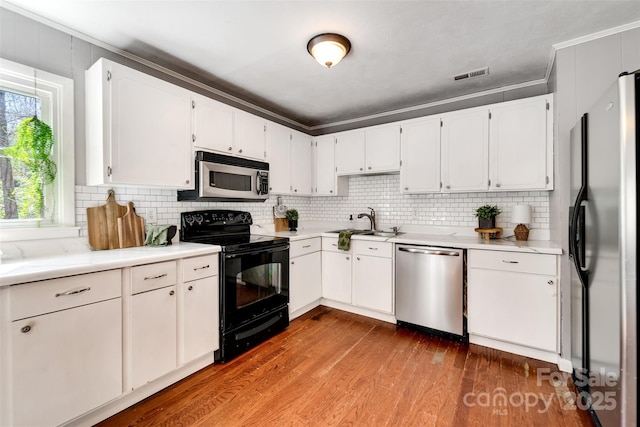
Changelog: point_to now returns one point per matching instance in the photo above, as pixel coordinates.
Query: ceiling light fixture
(328, 48)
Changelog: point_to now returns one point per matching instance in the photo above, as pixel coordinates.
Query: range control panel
(214, 218)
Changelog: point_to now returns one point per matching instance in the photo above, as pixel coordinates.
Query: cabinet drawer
(199, 267)
(153, 276)
(331, 244)
(307, 246)
(368, 247)
(35, 298)
(513, 261)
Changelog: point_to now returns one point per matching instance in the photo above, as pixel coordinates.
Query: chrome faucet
(372, 218)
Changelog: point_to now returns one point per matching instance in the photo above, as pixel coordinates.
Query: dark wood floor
(335, 368)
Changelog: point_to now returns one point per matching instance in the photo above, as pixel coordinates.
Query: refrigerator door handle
(576, 231)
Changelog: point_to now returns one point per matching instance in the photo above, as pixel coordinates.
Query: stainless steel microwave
(225, 178)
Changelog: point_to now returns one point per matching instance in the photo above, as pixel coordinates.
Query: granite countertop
(30, 261)
(452, 240)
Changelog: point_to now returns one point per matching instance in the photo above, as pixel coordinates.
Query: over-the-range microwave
(225, 178)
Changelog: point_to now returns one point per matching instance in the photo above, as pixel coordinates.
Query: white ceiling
(404, 53)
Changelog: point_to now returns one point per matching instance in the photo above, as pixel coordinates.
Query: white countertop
(446, 240)
(21, 262)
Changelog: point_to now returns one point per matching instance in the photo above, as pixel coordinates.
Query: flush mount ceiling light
(328, 48)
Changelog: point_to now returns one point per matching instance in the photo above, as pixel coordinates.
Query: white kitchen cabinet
(200, 324)
(305, 285)
(513, 297)
(212, 125)
(336, 271)
(382, 148)
(325, 182)
(154, 343)
(279, 150)
(69, 361)
(350, 152)
(373, 275)
(138, 129)
(420, 167)
(465, 150)
(520, 148)
(249, 135)
(300, 164)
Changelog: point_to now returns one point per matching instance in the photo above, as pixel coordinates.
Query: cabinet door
(350, 152)
(305, 285)
(279, 149)
(518, 145)
(201, 323)
(382, 148)
(153, 335)
(325, 179)
(420, 169)
(301, 164)
(250, 136)
(465, 150)
(373, 283)
(66, 363)
(515, 307)
(336, 276)
(212, 125)
(150, 131)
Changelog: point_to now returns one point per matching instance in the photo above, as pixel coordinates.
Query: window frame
(57, 104)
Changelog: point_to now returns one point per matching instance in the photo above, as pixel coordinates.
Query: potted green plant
(292, 218)
(487, 216)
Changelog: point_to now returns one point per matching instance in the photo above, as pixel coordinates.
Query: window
(26, 92)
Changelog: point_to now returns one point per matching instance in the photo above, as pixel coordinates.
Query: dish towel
(344, 240)
(157, 235)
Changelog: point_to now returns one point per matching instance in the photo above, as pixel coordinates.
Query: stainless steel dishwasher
(429, 290)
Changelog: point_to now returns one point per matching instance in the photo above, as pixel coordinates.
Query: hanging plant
(32, 151)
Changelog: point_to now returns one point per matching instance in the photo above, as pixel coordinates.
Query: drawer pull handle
(190, 288)
(204, 267)
(156, 277)
(73, 292)
(306, 246)
(509, 262)
(334, 244)
(25, 329)
(373, 249)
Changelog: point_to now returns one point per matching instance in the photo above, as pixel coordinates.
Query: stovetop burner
(226, 228)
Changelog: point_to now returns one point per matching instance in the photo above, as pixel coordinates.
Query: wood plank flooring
(335, 368)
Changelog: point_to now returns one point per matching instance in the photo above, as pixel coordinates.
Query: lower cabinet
(336, 272)
(513, 297)
(373, 275)
(67, 353)
(305, 285)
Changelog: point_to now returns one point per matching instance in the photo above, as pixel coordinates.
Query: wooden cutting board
(131, 228)
(102, 223)
(281, 224)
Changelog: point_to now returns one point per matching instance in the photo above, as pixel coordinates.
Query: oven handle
(258, 251)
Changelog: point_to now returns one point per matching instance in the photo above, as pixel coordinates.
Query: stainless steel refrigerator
(603, 239)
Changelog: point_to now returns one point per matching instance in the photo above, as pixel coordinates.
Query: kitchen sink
(384, 233)
(353, 231)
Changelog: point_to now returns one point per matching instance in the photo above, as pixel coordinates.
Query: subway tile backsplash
(381, 192)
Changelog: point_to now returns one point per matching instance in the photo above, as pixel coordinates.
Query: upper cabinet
(420, 166)
(219, 127)
(374, 149)
(289, 161)
(138, 128)
(520, 148)
(465, 154)
(500, 147)
(325, 182)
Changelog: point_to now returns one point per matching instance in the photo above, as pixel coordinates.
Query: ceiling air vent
(475, 73)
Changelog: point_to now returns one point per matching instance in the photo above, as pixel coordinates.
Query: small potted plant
(487, 216)
(292, 218)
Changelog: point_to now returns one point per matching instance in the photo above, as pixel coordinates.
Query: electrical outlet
(152, 215)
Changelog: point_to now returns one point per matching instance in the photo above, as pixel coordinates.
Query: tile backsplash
(381, 192)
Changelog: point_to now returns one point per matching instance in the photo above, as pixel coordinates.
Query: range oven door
(255, 282)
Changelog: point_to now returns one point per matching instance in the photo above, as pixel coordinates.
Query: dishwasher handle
(429, 251)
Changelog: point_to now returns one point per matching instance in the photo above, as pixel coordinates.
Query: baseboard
(299, 312)
(534, 353)
(359, 310)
